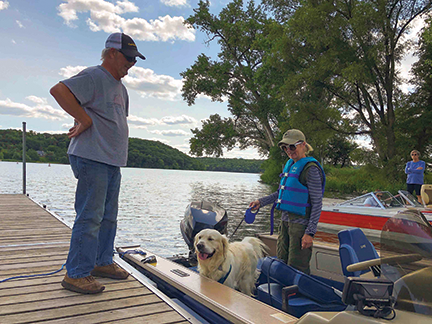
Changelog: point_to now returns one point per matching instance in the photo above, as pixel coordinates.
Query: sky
(44, 42)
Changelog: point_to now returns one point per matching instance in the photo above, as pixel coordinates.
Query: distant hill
(52, 148)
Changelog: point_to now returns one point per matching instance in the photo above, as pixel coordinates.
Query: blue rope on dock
(54, 272)
(36, 275)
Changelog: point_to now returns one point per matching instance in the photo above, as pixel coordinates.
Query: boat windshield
(406, 259)
(407, 199)
(382, 200)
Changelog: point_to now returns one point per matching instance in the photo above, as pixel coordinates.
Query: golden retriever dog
(233, 264)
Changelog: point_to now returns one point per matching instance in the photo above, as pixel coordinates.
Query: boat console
(371, 297)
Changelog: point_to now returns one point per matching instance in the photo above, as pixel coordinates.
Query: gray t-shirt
(106, 101)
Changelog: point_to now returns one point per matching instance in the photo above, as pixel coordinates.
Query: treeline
(52, 148)
(231, 165)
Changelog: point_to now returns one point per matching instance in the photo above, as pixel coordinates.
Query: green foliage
(152, 154)
(339, 62)
(238, 75)
(48, 148)
(274, 166)
(232, 165)
(215, 134)
(353, 181)
(339, 150)
(415, 116)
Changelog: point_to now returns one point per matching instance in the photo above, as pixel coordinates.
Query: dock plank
(76, 306)
(152, 313)
(32, 242)
(42, 293)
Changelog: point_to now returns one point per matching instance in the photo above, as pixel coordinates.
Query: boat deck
(224, 301)
(33, 241)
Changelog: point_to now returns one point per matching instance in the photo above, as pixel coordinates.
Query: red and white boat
(368, 211)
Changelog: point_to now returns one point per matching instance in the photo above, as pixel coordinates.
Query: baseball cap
(124, 43)
(293, 136)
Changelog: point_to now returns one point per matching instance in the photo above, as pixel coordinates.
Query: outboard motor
(200, 215)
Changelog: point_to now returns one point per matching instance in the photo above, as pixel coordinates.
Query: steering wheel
(400, 259)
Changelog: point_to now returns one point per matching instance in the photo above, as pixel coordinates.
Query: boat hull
(364, 218)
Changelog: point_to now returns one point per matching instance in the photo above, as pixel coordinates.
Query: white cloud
(147, 83)
(20, 25)
(13, 41)
(150, 84)
(138, 121)
(67, 126)
(183, 119)
(175, 3)
(173, 132)
(52, 132)
(40, 110)
(37, 100)
(70, 71)
(107, 17)
(4, 5)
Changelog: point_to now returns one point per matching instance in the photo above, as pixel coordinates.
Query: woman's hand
(255, 204)
(307, 241)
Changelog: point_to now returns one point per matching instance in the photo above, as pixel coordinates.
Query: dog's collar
(222, 280)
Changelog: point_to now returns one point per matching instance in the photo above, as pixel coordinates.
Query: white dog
(233, 264)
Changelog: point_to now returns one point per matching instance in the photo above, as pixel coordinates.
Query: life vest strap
(280, 201)
(293, 189)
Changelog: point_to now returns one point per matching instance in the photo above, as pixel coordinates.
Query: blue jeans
(96, 206)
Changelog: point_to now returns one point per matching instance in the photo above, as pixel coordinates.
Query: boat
(395, 291)
(357, 212)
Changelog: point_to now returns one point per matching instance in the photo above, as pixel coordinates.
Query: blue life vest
(293, 195)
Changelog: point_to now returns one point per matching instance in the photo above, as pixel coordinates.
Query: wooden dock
(33, 241)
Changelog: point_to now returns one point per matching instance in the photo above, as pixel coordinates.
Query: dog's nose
(200, 246)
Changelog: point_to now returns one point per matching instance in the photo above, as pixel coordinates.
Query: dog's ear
(225, 245)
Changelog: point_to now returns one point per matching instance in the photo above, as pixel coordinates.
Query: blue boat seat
(355, 247)
(309, 294)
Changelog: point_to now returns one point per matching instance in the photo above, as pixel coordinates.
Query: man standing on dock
(99, 103)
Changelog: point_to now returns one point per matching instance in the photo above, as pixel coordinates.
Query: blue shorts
(411, 187)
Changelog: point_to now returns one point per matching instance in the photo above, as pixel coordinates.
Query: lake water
(152, 201)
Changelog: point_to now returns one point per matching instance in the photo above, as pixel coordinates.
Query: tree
(416, 119)
(339, 151)
(346, 54)
(238, 76)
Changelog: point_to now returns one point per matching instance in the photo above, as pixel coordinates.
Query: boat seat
(302, 293)
(355, 247)
(426, 195)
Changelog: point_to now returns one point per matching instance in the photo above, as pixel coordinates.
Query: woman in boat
(415, 171)
(299, 198)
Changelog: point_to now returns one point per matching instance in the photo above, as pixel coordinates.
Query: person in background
(99, 103)
(371, 202)
(299, 198)
(415, 171)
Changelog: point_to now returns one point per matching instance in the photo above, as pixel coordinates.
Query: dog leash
(222, 280)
